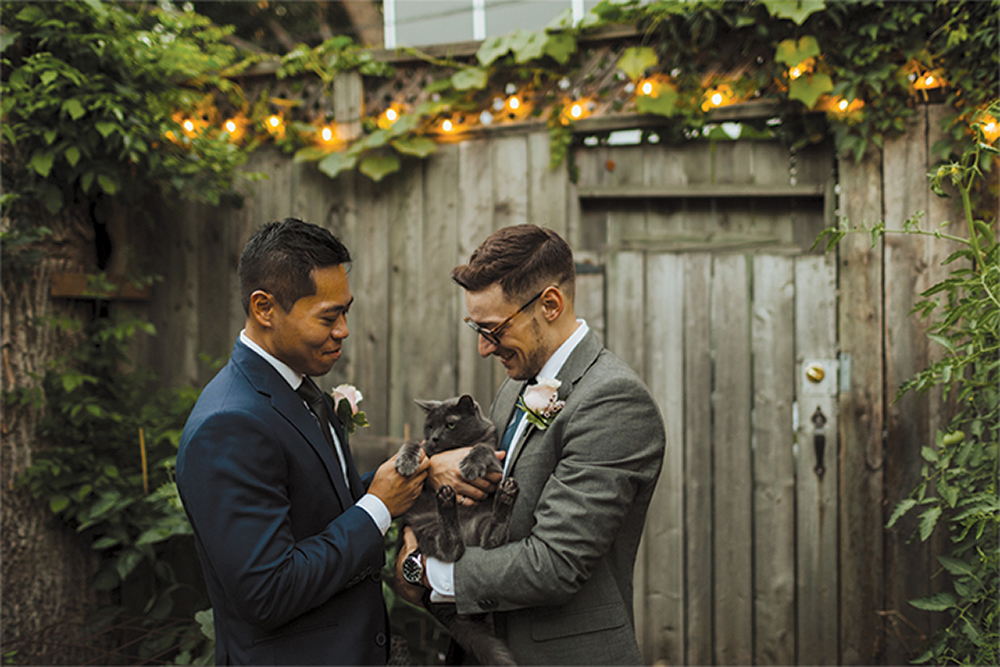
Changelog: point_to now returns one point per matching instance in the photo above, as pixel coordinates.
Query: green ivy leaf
(664, 104)
(792, 53)
(49, 76)
(561, 47)
(74, 109)
(378, 167)
(334, 163)
(72, 155)
(8, 38)
(58, 503)
(528, 46)
(417, 146)
(636, 60)
(493, 48)
(206, 621)
(105, 128)
(108, 184)
(310, 154)
(469, 78)
(807, 89)
(41, 162)
(796, 10)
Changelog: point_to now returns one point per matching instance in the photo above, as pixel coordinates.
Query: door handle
(819, 439)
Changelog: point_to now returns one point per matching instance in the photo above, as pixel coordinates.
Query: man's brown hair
(523, 259)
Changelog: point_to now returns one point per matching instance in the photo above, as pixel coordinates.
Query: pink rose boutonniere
(541, 403)
(345, 401)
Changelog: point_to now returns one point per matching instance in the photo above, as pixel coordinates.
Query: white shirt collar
(558, 359)
(293, 378)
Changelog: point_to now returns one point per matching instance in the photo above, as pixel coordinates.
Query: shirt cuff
(441, 577)
(376, 510)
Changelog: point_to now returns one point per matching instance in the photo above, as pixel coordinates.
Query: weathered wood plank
(772, 346)
(368, 237)
(700, 554)
(816, 496)
(547, 188)
(510, 181)
(435, 341)
(475, 216)
(408, 253)
(859, 324)
(626, 338)
(908, 567)
(665, 522)
(731, 449)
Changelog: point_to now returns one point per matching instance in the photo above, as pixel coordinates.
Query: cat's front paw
(507, 491)
(480, 461)
(408, 459)
(446, 497)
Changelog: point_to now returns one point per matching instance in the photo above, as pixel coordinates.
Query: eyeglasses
(493, 335)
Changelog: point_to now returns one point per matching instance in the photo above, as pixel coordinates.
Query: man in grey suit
(560, 590)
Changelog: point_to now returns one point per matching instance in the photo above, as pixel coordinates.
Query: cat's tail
(474, 634)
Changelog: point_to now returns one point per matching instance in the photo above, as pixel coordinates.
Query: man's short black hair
(280, 258)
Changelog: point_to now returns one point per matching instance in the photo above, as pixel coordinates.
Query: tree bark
(45, 564)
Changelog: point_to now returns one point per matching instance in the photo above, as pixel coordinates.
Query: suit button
(488, 604)
(376, 575)
(380, 639)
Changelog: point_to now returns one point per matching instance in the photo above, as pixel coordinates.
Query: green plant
(108, 472)
(91, 93)
(958, 490)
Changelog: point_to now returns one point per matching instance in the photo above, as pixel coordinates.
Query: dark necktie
(508, 435)
(313, 397)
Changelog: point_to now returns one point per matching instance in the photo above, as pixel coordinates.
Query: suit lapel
(289, 405)
(357, 486)
(579, 361)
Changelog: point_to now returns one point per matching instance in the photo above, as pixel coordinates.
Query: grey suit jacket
(561, 589)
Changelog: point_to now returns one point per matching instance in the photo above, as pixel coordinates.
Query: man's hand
(444, 470)
(398, 492)
(409, 592)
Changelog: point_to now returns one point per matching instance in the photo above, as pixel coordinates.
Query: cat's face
(455, 422)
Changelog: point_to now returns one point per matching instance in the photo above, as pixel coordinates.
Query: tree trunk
(45, 564)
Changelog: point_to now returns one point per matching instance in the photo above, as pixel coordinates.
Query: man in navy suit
(289, 535)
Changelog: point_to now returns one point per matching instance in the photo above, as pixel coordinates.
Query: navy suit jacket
(293, 567)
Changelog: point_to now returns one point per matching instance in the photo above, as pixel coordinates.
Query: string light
(387, 118)
(576, 110)
(647, 88)
(231, 126)
(988, 124)
(719, 96)
(447, 126)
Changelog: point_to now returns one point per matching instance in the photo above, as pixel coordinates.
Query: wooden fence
(694, 265)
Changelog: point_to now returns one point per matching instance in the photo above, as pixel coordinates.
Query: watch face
(413, 570)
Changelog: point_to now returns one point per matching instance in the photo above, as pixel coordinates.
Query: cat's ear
(467, 403)
(428, 406)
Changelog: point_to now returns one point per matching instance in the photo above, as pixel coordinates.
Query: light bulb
(447, 126)
(189, 125)
(929, 80)
(576, 111)
(794, 73)
(647, 88)
(230, 126)
(274, 121)
(327, 134)
(514, 103)
(391, 115)
(842, 105)
(716, 99)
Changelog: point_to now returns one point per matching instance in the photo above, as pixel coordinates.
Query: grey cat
(443, 527)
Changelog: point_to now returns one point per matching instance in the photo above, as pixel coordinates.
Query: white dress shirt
(373, 505)
(441, 575)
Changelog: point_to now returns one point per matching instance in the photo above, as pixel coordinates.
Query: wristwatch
(413, 568)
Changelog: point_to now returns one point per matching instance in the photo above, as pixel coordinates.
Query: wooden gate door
(709, 290)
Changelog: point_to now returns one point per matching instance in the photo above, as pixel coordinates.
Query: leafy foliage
(806, 57)
(958, 490)
(90, 95)
(109, 471)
